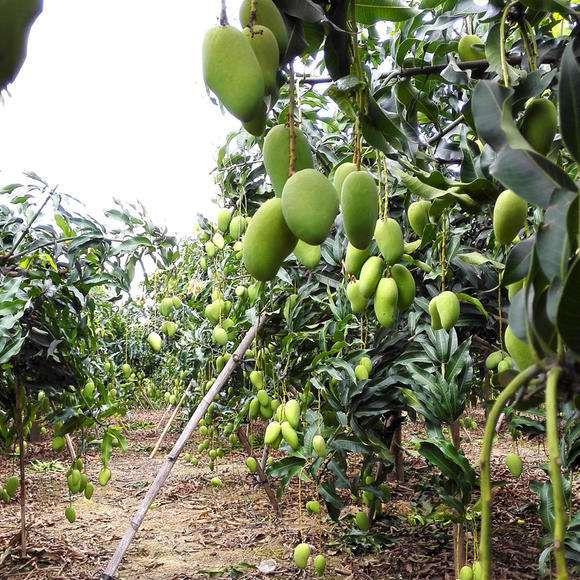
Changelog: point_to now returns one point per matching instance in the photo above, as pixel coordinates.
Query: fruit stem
(224, 14)
(504, 64)
(484, 461)
(499, 310)
(357, 157)
(252, 19)
(560, 517)
(291, 120)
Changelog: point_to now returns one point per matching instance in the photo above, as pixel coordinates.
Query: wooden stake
(171, 458)
(70, 446)
(163, 416)
(170, 421)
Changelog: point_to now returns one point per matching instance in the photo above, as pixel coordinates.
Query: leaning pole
(163, 473)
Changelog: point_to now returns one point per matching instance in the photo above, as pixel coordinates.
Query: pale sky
(111, 102)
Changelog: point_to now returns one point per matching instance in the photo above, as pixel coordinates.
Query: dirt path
(195, 531)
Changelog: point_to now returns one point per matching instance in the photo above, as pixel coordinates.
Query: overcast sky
(111, 102)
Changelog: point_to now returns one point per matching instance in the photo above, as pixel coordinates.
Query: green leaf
(518, 261)
(569, 309)
(478, 259)
(473, 301)
(569, 100)
(493, 54)
(371, 11)
(420, 189)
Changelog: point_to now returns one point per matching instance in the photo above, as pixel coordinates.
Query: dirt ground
(196, 531)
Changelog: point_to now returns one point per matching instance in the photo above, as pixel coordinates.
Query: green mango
(301, 555)
(257, 379)
(405, 286)
(370, 274)
(237, 226)
(276, 153)
(265, 47)
(11, 485)
(319, 445)
(471, 47)
(340, 174)
(319, 565)
(216, 482)
(292, 412)
(509, 216)
(355, 259)
(232, 71)
(268, 241)
(154, 341)
(89, 490)
(466, 573)
(494, 359)
(70, 514)
(390, 240)
(104, 476)
(418, 215)
(273, 431)
(360, 208)
(268, 15)
(386, 298)
(220, 335)
(313, 506)
(253, 409)
(519, 350)
(309, 205)
(307, 255)
(251, 464)
(263, 397)
(290, 435)
(358, 302)
(539, 124)
(362, 521)
(210, 249)
(224, 217)
(444, 309)
(514, 464)
(361, 372)
(367, 362)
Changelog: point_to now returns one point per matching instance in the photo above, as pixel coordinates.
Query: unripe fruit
(251, 464)
(241, 291)
(476, 567)
(268, 241)
(11, 485)
(418, 215)
(218, 241)
(290, 435)
(307, 255)
(319, 445)
(444, 310)
(292, 412)
(257, 124)
(468, 48)
(405, 285)
(216, 482)
(358, 302)
(220, 335)
(386, 298)
(509, 216)
(74, 481)
(494, 359)
(269, 16)
(390, 240)
(89, 490)
(58, 443)
(276, 153)
(257, 379)
(370, 275)
(263, 397)
(301, 555)
(253, 409)
(154, 341)
(309, 205)
(355, 259)
(466, 573)
(340, 175)
(70, 514)
(272, 433)
(539, 124)
(519, 350)
(210, 249)
(177, 303)
(367, 362)
(232, 72)
(360, 208)
(224, 216)
(313, 506)
(104, 476)
(361, 372)
(237, 226)
(514, 464)
(126, 370)
(319, 565)
(265, 47)
(362, 521)
(504, 365)
(166, 306)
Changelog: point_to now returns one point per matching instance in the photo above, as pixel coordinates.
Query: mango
(362, 521)
(358, 302)
(301, 555)
(319, 565)
(268, 15)
(493, 359)
(11, 485)
(466, 573)
(340, 174)
(218, 241)
(177, 303)
(292, 412)
(290, 435)
(257, 379)
(471, 47)
(370, 274)
(389, 240)
(232, 71)
(257, 124)
(519, 350)
(539, 124)
(355, 259)
(367, 362)
(268, 241)
(273, 431)
(307, 255)
(476, 567)
(263, 397)
(265, 47)
(166, 306)
(210, 249)
(360, 208)
(276, 153)
(251, 464)
(253, 409)
(237, 226)
(224, 217)
(505, 365)
(104, 476)
(405, 286)
(319, 445)
(313, 506)
(154, 341)
(509, 216)
(216, 482)
(514, 464)
(241, 291)
(444, 310)
(386, 298)
(89, 490)
(74, 480)
(361, 372)
(418, 215)
(70, 514)
(220, 335)
(309, 205)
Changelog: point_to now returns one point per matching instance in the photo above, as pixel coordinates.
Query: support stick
(70, 446)
(170, 421)
(163, 416)
(167, 465)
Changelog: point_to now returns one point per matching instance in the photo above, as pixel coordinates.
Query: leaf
(420, 189)
(569, 309)
(478, 259)
(493, 54)
(371, 11)
(569, 100)
(518, 261)
(473, 301)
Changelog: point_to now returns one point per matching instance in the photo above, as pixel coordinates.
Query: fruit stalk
(357, 157)
(291, 120)
(484, 461)
(560, 516)
(504, 64)
(223, 14)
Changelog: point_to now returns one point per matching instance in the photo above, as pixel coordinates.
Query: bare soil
(196, 531)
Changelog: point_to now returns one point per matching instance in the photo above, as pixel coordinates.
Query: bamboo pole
(163, 416)
(163, 473)
(70, 446)
(170, 421)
